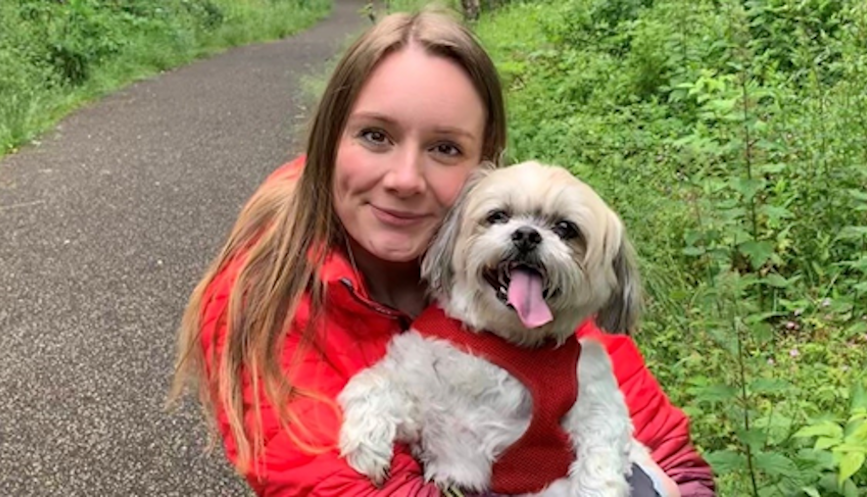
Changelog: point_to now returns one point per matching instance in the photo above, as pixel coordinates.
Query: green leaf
(829, 483)
(769, 385)
(811, 491)
(693, 251)
(816, 460)
(754, 437)
(856, 433)
(853, 233)
(826, 443)
(857, 393)
(717, 393)
(827, 429)
(758, 252)
(761, 317)
(775, 212)
(723, 106)
(849, 489)
(725, 461)
(771, 491)
(857, 329)
(775, 464)
(772, 168)
(848, 446)
(748, 187)
(775, 280)
(762, 332)
(850, 463)
(858, 195)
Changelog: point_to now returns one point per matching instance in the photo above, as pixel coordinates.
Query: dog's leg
(376, 413)
(600, 427)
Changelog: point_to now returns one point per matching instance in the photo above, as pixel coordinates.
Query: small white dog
(526, 255)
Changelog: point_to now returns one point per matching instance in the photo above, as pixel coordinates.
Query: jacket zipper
(381, 309)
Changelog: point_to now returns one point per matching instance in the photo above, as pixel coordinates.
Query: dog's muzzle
(500, 277)
(522, 285)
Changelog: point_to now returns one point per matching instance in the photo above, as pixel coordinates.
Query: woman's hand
(660, 484)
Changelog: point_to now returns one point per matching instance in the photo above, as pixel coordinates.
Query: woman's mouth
(398, 218)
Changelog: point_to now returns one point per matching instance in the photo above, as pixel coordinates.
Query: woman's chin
(393, 252)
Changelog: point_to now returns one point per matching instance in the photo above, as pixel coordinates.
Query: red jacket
(355, 334)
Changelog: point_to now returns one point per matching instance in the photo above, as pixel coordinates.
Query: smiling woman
(322, 268)
(401, 162)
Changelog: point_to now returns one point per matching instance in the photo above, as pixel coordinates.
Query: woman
(321, 268)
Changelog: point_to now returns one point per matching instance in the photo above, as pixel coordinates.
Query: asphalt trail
(104, 228)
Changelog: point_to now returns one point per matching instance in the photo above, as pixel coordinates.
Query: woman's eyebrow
(373, 116)
(450, 130)
(385, 119)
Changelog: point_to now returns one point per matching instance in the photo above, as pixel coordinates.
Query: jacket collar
(348, 290)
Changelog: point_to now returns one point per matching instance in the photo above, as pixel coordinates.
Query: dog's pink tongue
(525, 295)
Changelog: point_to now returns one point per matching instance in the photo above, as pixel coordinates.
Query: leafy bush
(56, 54)
(729, 135)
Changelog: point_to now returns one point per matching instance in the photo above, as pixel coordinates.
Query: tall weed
(730, 136)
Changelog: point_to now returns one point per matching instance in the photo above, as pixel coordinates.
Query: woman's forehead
(412, 86)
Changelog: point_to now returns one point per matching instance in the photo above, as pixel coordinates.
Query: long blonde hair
(279, 228)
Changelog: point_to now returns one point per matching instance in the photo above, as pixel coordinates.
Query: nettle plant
(730, 136)
(778, 254)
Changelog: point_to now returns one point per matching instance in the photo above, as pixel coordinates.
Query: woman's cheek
(452, 185)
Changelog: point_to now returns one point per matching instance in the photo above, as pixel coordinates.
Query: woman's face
(415, 133)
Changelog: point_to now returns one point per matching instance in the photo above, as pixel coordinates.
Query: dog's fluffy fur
(457, 411)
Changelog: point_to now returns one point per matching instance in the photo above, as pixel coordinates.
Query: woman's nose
(405, 176)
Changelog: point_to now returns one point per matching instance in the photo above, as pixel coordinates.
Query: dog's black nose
(526, 238)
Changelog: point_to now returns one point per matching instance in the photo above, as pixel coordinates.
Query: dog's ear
(437, 267)
(621, 313)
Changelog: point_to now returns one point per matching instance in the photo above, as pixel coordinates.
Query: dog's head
(529, 252)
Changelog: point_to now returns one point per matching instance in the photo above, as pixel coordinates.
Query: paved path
(104, 228)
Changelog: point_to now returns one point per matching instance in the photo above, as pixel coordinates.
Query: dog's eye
(497, 216)
(566, 230)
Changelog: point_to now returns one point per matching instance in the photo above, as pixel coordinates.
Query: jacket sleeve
(659, 425)
(286, 468)
(327, 475)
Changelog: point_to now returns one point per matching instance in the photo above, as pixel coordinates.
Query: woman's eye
(497, 217)
(374, 136)
(447, 149)
(566, 230)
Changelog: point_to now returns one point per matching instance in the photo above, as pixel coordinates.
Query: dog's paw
(368, 451)
(374, 463)
(609, 489)
(600, 475)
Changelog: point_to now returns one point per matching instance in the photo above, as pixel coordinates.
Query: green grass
(56, 56)
(730, 136)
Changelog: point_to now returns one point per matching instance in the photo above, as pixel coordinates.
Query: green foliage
(54, 55)
(730, 137)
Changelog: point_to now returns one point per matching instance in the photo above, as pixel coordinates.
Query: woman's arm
(293, 473)
(660, 426)
(287, 469)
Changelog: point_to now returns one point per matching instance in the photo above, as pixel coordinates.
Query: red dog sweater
(544, 452)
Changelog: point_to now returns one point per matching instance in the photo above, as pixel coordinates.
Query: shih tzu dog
(490, 388)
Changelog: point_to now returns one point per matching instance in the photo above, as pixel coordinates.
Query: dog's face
(529, 252)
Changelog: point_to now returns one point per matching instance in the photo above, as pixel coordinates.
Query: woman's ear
(437, 267)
